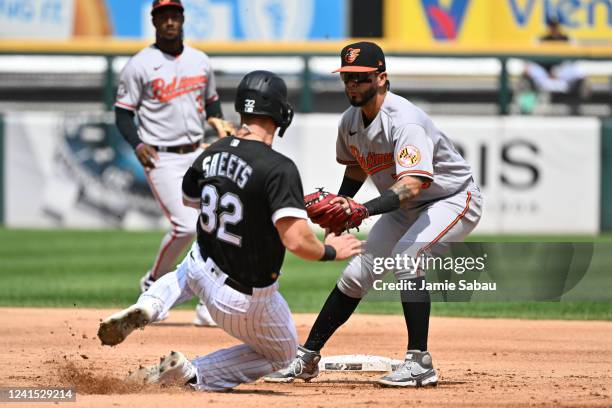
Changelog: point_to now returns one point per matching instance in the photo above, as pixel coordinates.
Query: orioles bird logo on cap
(351, 55)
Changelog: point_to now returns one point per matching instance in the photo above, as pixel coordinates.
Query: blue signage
(239, 19)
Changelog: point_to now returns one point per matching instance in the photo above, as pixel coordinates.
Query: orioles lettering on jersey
(165, 93)
(227, 165)
(373, 162)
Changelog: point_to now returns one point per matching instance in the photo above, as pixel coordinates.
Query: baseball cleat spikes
(305, 367)
(416, 371)
(115, 328)
(173, 369)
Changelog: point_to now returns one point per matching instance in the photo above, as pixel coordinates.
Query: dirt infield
(482, 362)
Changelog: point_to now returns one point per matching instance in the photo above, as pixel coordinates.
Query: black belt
(234, 284)
(180, 149)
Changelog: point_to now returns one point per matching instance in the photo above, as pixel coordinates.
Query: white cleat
(203, 317)
(174, 369)
(115, 328)
(416, 371)
(145, 282)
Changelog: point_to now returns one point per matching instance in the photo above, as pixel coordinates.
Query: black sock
(417, 306)
(335, 312)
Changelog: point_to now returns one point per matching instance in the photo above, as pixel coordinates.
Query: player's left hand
(222, 126)
(334, 213)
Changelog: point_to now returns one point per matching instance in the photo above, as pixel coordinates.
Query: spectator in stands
(547, 76)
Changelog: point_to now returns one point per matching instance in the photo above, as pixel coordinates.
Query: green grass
(58, 268)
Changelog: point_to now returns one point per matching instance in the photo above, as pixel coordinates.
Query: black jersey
(243, 187)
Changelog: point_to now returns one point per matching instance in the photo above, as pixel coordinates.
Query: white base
(358, 362)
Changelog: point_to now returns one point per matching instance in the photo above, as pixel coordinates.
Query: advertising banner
(73, 171)
(52, 19)
(486, 22)
(523, 166)
(537, 175)
(204, 19)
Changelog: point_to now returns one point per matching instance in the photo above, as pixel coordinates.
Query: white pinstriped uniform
(403, 141)
(262, 321)
(243, 188)
(168, 95)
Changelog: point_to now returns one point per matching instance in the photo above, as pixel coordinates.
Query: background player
(427, 197)
(171, 88)
(251, 203)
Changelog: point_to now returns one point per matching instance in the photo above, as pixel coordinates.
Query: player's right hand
(146, 155)
(346, 245)
(342, 201)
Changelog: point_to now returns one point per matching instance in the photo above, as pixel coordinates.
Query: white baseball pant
(165, 181)
(409, 233)
(262, 321)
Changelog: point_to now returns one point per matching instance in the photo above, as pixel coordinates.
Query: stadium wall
(606, 175)
(2, 171)
(73, 171)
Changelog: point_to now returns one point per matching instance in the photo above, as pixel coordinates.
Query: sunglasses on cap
(358, 77)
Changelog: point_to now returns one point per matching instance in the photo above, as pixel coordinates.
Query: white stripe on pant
(262, 321)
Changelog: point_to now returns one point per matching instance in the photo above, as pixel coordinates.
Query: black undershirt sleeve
(213, 110)
(387, 202)
(124, 119)
(349, 187)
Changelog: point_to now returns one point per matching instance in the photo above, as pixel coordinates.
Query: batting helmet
(265, 93)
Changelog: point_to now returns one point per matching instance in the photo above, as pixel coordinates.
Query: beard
(365, 97)
(178, 37)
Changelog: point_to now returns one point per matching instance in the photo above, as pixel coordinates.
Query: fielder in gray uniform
(171, 88)
(428, 197)
(251, 203)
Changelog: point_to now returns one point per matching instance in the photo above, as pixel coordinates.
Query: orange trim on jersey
(451, 225)
(409, 172)
(381, 167)
(125, 105)
(372, 162)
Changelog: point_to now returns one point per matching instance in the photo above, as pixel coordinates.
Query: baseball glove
(222, 126)
(333, 216)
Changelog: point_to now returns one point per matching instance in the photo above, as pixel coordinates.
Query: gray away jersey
(402, 141)
(168, 93)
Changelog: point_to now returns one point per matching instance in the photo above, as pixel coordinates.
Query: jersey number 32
(211, 219)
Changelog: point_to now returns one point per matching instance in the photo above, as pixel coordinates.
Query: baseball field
(55, 286)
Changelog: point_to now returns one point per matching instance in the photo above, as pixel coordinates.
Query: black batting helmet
(265, 93)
